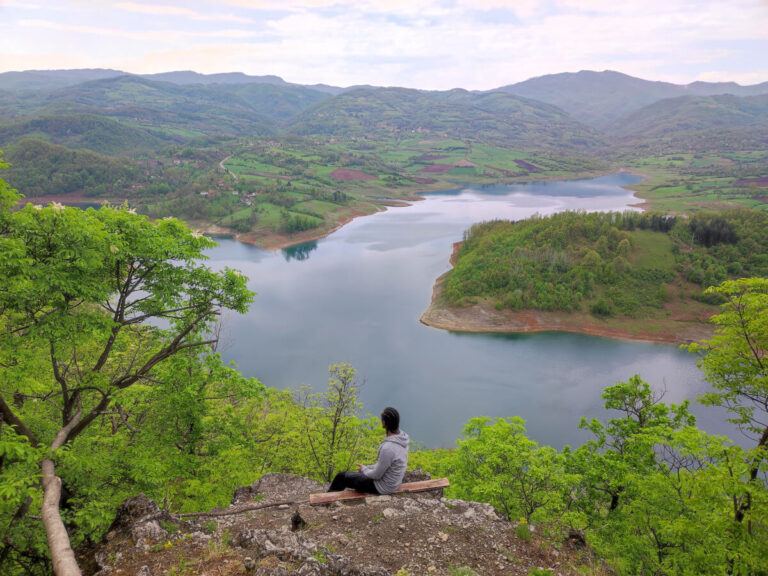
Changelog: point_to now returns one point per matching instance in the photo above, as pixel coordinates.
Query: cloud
(18, 4)
(437, 44)
(143, 35)
(523, 9)
(42, 61)
(163, 10)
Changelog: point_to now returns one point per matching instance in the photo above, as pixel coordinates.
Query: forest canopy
(626, 263)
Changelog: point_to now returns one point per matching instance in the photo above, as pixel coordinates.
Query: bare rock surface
(270, 529)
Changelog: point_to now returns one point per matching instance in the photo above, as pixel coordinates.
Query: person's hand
(359, 467)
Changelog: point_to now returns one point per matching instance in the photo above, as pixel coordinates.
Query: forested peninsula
(627, 275)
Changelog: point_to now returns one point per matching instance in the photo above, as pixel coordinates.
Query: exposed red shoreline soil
(279, 241)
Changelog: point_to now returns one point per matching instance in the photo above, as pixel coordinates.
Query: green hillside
(291, 147)
(599, 98)
(629, 264)
(166, 107)
(721, 123)
(397, 112)
(39, 168)
(98, 133)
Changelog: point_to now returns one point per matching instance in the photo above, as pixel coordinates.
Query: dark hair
(391, 419)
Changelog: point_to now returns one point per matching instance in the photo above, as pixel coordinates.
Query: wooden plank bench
(421, 486)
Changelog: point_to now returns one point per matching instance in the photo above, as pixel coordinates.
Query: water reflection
(299, 251)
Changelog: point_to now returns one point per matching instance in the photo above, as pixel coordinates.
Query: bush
(601, 308)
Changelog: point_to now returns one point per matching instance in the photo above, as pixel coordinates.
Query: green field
(691, 182)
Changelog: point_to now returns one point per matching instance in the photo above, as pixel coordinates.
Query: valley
(276, 164)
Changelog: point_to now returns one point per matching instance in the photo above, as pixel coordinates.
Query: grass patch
(652, 250)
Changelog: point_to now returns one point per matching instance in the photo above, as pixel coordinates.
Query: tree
(93, 303)
(735, 358)
(496, 462)
(659, 494)
(735, 362)
(331, 429)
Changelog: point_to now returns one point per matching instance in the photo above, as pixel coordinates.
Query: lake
(357, 295)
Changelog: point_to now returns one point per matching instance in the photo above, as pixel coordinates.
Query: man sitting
(386, 475)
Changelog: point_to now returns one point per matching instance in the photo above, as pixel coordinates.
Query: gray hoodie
(388, 472)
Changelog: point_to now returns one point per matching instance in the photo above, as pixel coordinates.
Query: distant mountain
(492, 117)
(112, 113)
(697, 123)
(190, 77)
(55, 79)
(599, 98)
(52, 79)
(718, 88)
(159, 110)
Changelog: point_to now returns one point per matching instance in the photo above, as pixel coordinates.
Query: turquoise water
(357, 296)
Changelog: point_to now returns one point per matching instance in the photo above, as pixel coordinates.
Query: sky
(428, 44)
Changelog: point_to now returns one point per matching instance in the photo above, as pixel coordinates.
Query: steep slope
(598, 98)
(494, 118)
(39, 168)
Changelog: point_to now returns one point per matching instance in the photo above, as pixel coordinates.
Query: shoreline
(273, 242)
(276, 241)
(483, 318)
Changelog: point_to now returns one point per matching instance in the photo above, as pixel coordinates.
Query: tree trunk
(62, 555)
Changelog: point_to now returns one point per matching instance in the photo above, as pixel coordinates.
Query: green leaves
(653, 494)
(496, 462)
(735, 359)
(335, 438)
(105, 321)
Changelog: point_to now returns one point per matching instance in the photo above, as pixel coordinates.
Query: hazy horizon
(423, 44)
(289, 81)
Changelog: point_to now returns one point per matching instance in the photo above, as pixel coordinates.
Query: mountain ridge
(599, 98)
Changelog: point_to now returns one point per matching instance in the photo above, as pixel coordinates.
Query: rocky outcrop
(270, 529)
